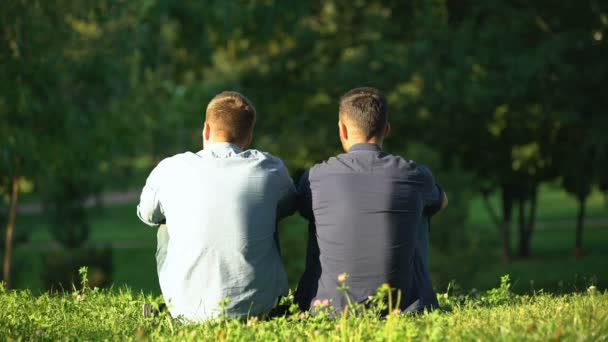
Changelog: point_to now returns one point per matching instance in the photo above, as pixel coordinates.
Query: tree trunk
(532, 217)
(507, 209)
(10, 230)
(523, 250)
(578, 249)
(526, 222)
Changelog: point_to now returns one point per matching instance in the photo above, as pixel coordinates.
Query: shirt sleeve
(432, 194)
(305, 197)
(287, 202)
(149, 209)
(434, 208)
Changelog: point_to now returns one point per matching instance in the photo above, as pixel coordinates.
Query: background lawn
(552, 266)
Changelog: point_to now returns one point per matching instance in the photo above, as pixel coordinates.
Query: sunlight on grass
(95, 314)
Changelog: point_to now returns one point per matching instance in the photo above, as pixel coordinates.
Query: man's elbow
(147, 219)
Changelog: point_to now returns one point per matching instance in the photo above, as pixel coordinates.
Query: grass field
(552, 267)
(498, 314)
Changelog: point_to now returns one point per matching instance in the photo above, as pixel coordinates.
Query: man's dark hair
(367, 109)
(233, 114)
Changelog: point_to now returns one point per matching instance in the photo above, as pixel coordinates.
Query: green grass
(115, 314)
(111, 223)
(552, 266)
(554, 204)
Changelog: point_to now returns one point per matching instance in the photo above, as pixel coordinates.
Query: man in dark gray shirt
(366, 209)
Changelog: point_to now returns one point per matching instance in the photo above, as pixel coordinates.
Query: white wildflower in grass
(252, 321)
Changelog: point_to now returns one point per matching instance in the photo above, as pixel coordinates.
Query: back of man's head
(232, 115)
(365, 108)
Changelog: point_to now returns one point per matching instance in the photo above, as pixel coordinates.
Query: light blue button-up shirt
(221, 207)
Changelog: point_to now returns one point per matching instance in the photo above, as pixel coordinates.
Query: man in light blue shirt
(221, 207)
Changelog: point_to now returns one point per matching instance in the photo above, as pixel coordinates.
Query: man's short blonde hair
(232, 114)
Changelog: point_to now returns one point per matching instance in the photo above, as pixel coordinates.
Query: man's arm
(287, 202)
(438, 203)
(305, 197)
(435, 199)
(307, 287)
(149, 209)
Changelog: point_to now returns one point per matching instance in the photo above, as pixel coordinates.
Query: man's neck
(374, 141)
(211, 142)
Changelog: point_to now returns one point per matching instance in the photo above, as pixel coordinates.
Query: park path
(109, 197)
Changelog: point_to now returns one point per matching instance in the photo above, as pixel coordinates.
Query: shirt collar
(365, 147)
(223, 147)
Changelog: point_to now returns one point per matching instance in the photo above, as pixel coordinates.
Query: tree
(60, 96)
(494, 79)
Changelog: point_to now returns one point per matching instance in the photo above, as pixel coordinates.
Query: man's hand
(444, 202)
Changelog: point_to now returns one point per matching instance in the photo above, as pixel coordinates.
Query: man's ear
(387, 129)
(206, 131)
(248, 141)
(343, 130)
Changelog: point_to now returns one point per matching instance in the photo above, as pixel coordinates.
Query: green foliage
(116, 314)
(501, 294)
(505, 94)
(497, 86)
(448, 229)
(497, 296)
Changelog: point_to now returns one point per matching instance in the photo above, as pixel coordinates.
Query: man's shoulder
(265, 157)
(177, 158)
(346, 162)
(329, 164)
(403, 164)
(169, 165)
(342, 163)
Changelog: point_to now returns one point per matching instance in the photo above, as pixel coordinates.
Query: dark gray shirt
(366, 211)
